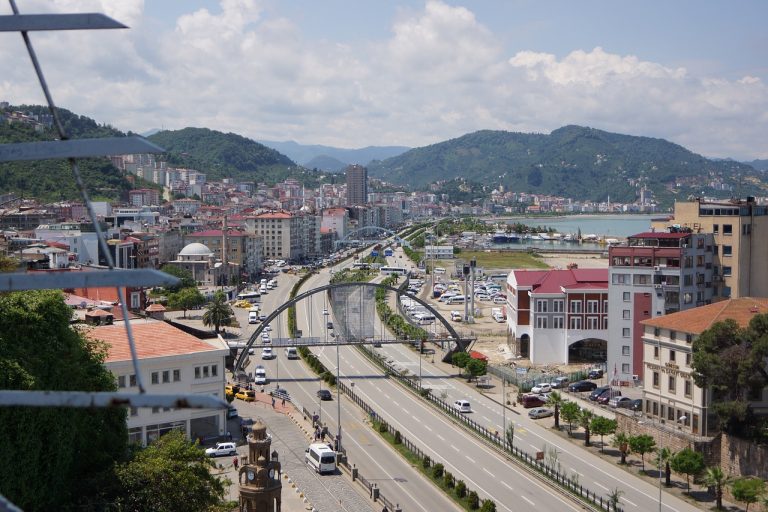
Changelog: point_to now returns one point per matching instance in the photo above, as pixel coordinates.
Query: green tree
(555, 400)
(184, 275)
(460, 359)
(570, 411)
(476, 368)
(664, 457)
(585, 422)
(715, 478)
(218, 312)
(170, 475)
(186, 298)
(488, 506)
(473, 500)
(71, 451)
(621, 441)
(614, 498)
(642, 444)
(510, 435)
(601, 426)
(688, 462)
(748, 490)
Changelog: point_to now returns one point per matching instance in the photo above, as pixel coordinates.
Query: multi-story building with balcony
(242, 249)
(559, 316)
(281, 233)
(653, 274)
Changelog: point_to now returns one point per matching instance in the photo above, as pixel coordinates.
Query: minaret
(224, 264)
(259, 478)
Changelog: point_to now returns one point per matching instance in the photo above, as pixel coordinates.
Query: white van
(253, 317)
(439, 270)
(291, 353)
(263, 289)
(321, 458)
(456, 299)
(462, 406)
(260, 375)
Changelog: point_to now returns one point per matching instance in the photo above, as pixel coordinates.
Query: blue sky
(412, 73)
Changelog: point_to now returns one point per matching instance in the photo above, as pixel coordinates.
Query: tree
(642, 444)
(601, 426)
(747, 490)
(621, 441)
(570, 412)
(688, 462)
(172, 474)
(585, 419)
(71, 450)
(460, 359)
(715, 478)
(186, 298)
(488, 506)
(663, 457)
(614, 497)
(218, 312)
(510, 435)
(8, 264)
(476, 367)
(555, 399)
(183, 274)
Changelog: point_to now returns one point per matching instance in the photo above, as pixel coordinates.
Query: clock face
(251, 475)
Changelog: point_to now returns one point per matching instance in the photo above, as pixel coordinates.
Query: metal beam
(29, 22)
(9, 398)
(59, 280)
(77, 148)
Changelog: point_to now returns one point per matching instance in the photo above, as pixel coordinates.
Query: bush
(460, 489)
(398, 437)
(425, 462)
(437, 471)
(448, 480)
(473, 500)
(488, 506)
(382, 426)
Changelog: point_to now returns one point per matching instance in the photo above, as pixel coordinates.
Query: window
(716, 228)
(655, 408)
(655, 352)
(626, 296)
(688, 359)
(134, 411)
(746, 229)
(155, 378)
(121, 381)
(592, 306)
(197, 372)
(672, 335)
(575, 306)
(625, 332)
(655, 379)
(625, 368)
(155, 410)
(689, 338)
(727, 250)
(656, 331)
(214, 370)
(727, 271)
(626, 314)
(620, 279)
(166, 376)
(593, 322)
(625, 350)
(558, 322)
(605, 306)
(541, 305)
(132, 380)
(541, 322)
(176, 375)
(206, 373)
(727, 229)
(671, 384)
(687, 389)
(558, 306)
(575, 322)
(672, 355)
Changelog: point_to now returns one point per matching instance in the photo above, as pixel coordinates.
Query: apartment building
(439, 252)
(559, 316)
(740, 230)
(242, 249)
(335, 220)
(290, 236)
(669, 393)
(171, 362)
(651, 275)
(357, 184)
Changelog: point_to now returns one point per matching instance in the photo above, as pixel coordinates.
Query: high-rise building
(357, 184)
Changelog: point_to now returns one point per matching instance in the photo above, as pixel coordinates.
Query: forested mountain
(326, 163)
(52, 180)
(304, 154)
(572, 161)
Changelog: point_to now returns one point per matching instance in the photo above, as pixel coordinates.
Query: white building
(438, 252)
(171, 362)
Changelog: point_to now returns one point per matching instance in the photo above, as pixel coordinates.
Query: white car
(499, 300)
(540, 412)
(222, 449)
(266, 353)
(544, 387)
(462, 406)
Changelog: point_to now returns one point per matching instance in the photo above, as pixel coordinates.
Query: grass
(500, 260)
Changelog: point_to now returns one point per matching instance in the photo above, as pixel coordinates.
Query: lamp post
(503, 407)
(338, 398)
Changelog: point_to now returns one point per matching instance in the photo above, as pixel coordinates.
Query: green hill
(572, 161)
(52, 180)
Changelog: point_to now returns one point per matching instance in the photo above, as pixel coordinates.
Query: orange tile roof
(698, 320)
(153, 339)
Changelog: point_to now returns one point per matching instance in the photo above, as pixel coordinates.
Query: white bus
(250, 296)
(425, 318)
(321, 458)
(398, 271)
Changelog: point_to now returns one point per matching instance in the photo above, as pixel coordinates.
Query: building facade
(653, 274)
(357, 184)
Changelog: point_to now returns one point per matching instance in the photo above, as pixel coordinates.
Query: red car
(607, 395)
(532, 401)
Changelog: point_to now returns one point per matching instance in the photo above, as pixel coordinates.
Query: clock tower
(259, 478)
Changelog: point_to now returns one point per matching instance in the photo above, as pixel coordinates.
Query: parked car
(262, 318)
(462, 406)
(533, 401)
(247, 395)
(499, 300)
(221, 449)
(594, 395)
(636, 405)
(621, 402)
(595, 373)
(324, 394)
(608, 396)
(544, 387)
(540, 412)
(582, 385)
(559, 382)
(329, 325)
(231, 389)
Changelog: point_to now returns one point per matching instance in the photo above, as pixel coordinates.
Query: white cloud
(246, 68)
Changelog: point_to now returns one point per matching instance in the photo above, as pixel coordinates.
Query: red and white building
(559, 315)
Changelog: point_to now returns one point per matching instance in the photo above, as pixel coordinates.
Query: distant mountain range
(760, 165)
(333, 159)
(572, 161)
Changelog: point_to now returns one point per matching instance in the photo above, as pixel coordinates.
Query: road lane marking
(529, 501)
(441, 437)
(455, 448)
(574, 471)
(428, 427)
(470, 459)
(484, 469)
(505, 484)
(602, 486)
(625, 499)
(415, 418)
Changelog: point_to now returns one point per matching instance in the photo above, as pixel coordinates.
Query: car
(559, 382)
(462, 406)
(266, 353)
(231, 389)
(621, 402)
(329, 325)
(260, 375)
(262, 318)
(499, 300)
(267, 327)
(265, 338)
(222, 449)
(531, 400)
(582, 385)
(251, 351)
(246, 395)
(608, 396)
(324, 394)
(595, 373)
(544, 387)
(540, 412)
(594, 395)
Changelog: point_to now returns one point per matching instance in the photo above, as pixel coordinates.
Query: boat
(501, 237)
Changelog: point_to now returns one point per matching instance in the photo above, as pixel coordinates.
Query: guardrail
(533, 462)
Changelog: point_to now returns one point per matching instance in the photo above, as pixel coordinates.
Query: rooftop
(698, 320)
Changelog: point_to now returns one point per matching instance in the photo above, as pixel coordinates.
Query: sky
(356, 73)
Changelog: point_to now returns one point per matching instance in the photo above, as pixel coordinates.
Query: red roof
(554, 281)
(274, 215)
(477, 355)
(153, 339)
(218, 232)
(529, 277)
(698, 320)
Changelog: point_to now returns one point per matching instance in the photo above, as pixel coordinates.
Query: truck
(498, 314)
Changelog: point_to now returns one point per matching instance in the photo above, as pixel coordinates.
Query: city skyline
(411, 73)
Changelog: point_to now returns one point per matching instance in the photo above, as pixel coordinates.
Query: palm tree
(664, 455)
(555, 400)
(218, 312)
(585, 418)
(715, 477)
(621, 441)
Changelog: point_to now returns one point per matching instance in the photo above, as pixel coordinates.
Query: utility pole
(472, 265)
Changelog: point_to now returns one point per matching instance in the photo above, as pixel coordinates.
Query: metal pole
(421, 350)
(338, 396)
(503, 407)
(661, 437)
